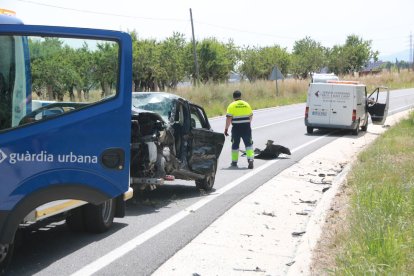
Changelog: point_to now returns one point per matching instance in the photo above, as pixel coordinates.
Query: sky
(256, 23)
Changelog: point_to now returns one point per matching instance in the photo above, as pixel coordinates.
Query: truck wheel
(75, 220)
(99, 218)
(355, 131)
(309, 130)
(6, 253)
(208, 182)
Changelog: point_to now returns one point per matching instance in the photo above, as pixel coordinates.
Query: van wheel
(356, 130)
(6, 253)
(99, 218)
(309, 130)
(208, 182)
(365, 126)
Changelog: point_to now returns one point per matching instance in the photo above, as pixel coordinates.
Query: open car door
(206, 145)
(378, 110)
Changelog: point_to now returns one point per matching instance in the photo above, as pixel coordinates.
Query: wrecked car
(172, 139)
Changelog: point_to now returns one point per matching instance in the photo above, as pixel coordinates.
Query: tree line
(162, 65)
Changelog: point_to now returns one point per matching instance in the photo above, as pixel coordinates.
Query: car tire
(309, 130)
(208, 182)
(6, 253)
(99, 218)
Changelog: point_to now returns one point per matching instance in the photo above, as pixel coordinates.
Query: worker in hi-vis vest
(239, 114)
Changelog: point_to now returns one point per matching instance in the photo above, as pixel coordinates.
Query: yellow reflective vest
(240, 111)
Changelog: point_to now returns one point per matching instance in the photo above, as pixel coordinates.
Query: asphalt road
(160, 222)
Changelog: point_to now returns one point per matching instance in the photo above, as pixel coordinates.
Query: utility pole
(411, 53)
(196, 68)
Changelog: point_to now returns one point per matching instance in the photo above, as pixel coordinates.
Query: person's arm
(228, 122)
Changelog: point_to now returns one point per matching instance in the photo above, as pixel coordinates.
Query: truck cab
(68, 151)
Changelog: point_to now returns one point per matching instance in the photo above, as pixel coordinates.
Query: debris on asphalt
(268, 214)
(308, 201)
(257, 269)
(325, 189)
(302, 213)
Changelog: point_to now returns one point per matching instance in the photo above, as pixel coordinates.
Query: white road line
(401, 108)
(150, 233)
(280, 122)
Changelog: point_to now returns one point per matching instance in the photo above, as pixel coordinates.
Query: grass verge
(380, 237)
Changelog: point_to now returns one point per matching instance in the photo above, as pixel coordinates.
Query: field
(261, 94)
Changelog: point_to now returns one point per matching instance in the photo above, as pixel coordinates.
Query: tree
(352, 56)
(171, 69)
(308, 56)
(337, 61)
(216, 60)
(106, 66)
(145, 57)
(258, 63)
(48, 59)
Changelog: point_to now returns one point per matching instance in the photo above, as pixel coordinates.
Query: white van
(343, 105)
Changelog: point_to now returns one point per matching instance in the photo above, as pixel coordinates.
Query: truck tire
(309, 130)
(6, 253)
(75, 221)
(208, 182)
(99, 218)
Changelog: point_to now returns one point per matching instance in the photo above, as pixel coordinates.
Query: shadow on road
(38, 247)
(146, 202)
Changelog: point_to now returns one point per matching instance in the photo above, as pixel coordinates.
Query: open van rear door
(376, 108)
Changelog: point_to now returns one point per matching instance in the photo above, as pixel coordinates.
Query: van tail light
(306, 112)
(353, 115)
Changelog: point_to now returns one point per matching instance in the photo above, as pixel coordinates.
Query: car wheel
(309, 130)
(99, 218)
(208, 182)
(6, 253)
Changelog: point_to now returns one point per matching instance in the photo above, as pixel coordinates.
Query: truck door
(378, 106)
(206, 145)
(343, 97)
(319, 102)
(77, 147)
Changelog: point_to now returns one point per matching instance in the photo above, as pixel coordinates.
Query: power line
(179, 20)
(102, 13)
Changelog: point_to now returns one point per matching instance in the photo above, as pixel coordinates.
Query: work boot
(233, 164)
(250, 164)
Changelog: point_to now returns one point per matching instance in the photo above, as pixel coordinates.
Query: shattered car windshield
(158, 103)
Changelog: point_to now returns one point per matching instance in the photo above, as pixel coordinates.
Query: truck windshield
(65, 73)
